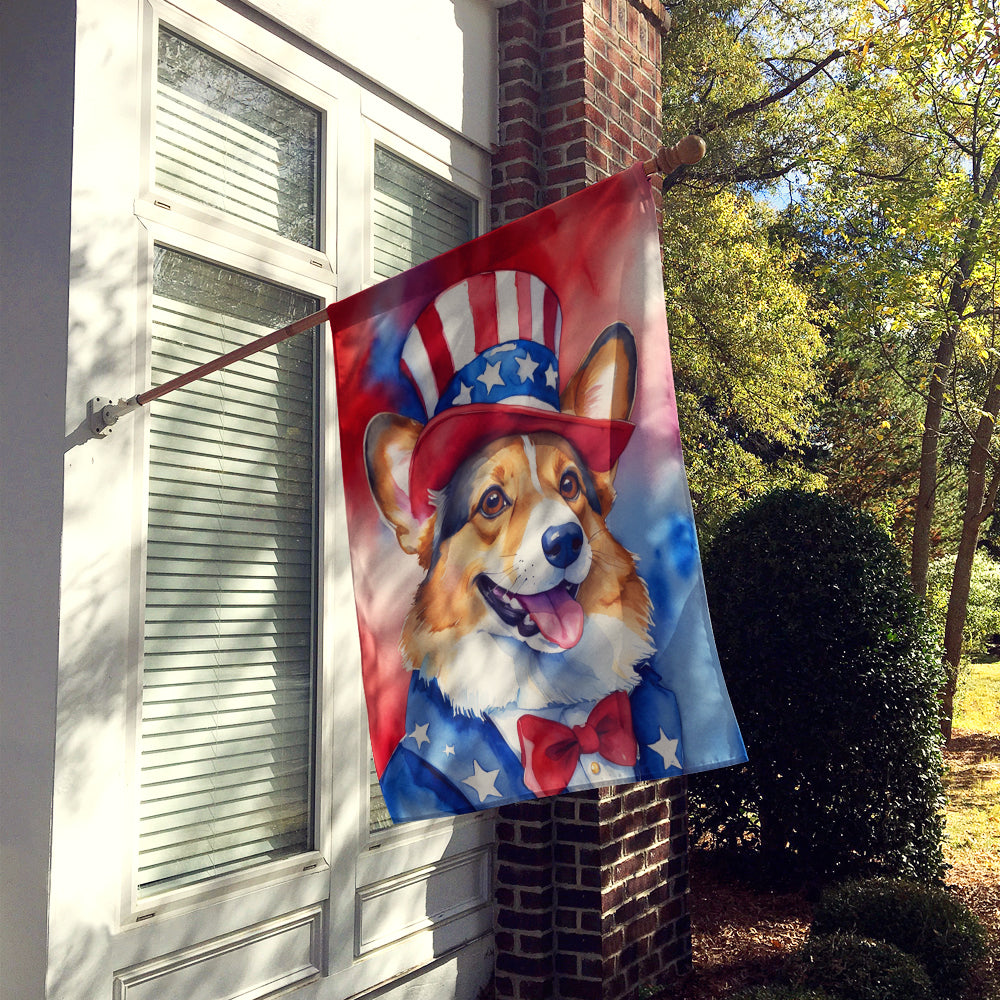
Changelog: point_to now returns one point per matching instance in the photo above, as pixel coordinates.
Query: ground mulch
(981, 893)
(975, 877)
(742, 934)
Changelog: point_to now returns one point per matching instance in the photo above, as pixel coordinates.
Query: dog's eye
(493, 502)
(569, 486)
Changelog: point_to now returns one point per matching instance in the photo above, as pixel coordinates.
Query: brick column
(517, 161)
(591, 889)
(579, 96)
(621, 889)
(524, 901)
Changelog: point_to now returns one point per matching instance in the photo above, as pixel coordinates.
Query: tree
(982, 620)
(912, 189)
(746, 350)
(746, 355)
(869, 426)
(746, 75)
(879, 123)
(867, 421)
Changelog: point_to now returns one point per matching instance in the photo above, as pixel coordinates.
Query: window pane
(228, 657)
(416, 217)
(228, 140)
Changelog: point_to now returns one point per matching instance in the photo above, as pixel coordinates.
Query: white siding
(75, 326)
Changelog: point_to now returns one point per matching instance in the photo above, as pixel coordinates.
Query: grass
(972, 848)
(978, 698)
(973, 782)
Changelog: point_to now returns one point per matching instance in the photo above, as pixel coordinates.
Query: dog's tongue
(558, 617)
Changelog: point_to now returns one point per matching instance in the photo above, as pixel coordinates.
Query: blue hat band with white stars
(519, 371)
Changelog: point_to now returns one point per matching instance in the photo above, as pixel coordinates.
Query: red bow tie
(550, 750)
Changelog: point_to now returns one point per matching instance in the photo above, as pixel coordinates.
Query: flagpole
(260, 344)
(103, 413)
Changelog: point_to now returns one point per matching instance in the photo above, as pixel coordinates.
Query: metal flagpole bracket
(103, 413)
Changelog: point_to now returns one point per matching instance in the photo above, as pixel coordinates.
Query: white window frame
(351, 876)
(389, 128)
(195, 244)
(180, 224)
(395, 859)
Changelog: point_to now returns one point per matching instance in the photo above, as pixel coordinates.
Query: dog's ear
(389, 442)
(604, 385)
(604, 388)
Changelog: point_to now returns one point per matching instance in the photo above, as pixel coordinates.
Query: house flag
(527, 581)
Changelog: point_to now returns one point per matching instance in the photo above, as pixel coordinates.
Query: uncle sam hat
(484, 359)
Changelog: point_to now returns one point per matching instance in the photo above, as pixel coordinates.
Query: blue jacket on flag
(454, 763)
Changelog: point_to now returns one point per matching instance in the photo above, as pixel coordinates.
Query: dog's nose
(562, 544)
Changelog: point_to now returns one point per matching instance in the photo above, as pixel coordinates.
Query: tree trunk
(980, 499)
(958, 299)
(920, 553)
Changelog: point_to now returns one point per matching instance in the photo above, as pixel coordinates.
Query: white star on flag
(526, 368)
(419, 734)
(464, 396)
(491, 377)
(552, 377)
(449, 751)
(667, 749)
(484, 782)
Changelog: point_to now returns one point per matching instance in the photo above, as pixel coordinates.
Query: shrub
(926, 922)
(833, 673)
(856, 968)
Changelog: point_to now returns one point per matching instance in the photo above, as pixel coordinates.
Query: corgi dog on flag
(528, 637)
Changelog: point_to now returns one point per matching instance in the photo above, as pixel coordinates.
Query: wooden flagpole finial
(668, 158)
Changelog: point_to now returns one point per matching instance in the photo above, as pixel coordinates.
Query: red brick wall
(524, 902)
(579, 96)
(591, 889)
(591, 893)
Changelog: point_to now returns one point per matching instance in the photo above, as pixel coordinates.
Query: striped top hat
(484, 358)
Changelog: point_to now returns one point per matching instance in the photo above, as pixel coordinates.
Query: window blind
(415, 216)
(228, 140)
(228, 652)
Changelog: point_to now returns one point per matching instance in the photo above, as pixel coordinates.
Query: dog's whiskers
(610, 560)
